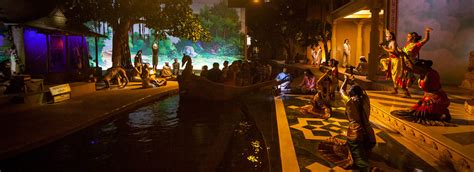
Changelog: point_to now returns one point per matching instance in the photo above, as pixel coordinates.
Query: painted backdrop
(453, 33)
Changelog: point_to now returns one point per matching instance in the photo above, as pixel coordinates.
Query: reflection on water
(163, 136)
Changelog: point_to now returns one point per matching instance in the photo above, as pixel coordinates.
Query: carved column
(468, 81)
(360, 24)
(374, 40)
(333, 41)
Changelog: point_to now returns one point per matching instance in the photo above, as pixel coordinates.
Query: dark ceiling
(25, 10)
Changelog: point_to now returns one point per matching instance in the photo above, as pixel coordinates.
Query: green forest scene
(226, 43)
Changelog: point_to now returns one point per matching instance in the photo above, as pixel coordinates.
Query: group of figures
(143, 72)
(401, 67)
(360, 138)
(239, 73)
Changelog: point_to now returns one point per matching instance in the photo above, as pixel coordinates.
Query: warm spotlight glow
(256, 1)
(362, 14)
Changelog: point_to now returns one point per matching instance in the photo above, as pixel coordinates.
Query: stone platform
(448, 146)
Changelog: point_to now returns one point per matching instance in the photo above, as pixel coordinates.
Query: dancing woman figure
(410, 54)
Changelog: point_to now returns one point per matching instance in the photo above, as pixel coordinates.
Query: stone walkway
(23, 129)
(300, 134)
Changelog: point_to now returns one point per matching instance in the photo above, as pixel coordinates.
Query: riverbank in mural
(226, 43)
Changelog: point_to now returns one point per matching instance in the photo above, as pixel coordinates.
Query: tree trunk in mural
(120, 44)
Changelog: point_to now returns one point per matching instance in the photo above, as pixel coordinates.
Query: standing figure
(313, 56)
(176, 67)
(154, 49)
(411, 53)
(395, 63)
(225, 71)
(432, 109)
(334, 78)
(138, 60)
(346, 53)
(319, 53)
(360, 135)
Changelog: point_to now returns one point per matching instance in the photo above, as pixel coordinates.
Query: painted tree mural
(166, 17)
(224, 27)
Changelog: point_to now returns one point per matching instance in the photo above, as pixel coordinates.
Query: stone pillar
(468, 81)
(374, 41)
(333, 39)
(360, 24)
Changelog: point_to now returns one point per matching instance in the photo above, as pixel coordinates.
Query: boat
(202, 88)
(196, 87)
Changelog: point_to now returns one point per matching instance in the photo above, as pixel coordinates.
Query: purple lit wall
(3, 49)
(452, 37)
(57, 60)
(35, 51)
(77, 53)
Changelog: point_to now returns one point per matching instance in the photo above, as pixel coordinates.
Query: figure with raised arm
(411, 54)
(360, 135)
(321, 102)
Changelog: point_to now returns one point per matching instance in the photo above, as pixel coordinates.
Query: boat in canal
(196, 87)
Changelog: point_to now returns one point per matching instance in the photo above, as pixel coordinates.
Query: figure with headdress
(395, 68)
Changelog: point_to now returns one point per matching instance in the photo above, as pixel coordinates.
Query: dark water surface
(163, 136)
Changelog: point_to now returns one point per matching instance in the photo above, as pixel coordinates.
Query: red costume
(435, 102)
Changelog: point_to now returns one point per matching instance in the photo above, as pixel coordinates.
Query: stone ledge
(8, 149)
(460, 161)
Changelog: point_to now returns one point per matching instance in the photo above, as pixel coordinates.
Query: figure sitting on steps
(432, 109)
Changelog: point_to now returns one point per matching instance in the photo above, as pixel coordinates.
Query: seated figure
(284, 80)
(166, 72)
(150, 80)
(432, 109)
(363, 67)
(309, 83)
